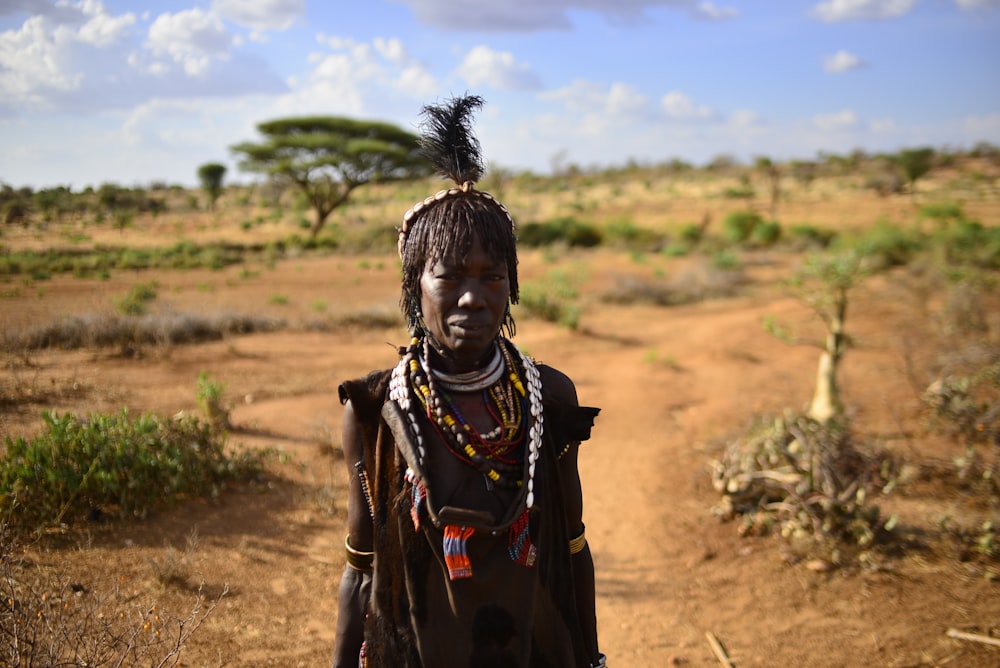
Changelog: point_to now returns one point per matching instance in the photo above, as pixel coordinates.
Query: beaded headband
(467, 187)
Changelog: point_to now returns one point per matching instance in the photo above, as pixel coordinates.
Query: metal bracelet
(602, 661)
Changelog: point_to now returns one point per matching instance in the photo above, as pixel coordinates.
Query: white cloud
(191, 38)
(355, 78)
(261, 15)
(82, 59)
(709, 11)
(744, 118)
(883, 126)
(484, 66)
(842, 61)
(625, 100)
(104, 30)
(834, 11)
(530, 15)
(590, 100)
(678, 106)
(840, 120)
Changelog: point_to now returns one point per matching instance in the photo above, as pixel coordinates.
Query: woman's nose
(471, 295)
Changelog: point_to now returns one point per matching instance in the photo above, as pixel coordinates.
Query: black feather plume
(447, 139)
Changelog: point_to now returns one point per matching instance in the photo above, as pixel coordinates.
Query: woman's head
(446, 232)
(444, 227)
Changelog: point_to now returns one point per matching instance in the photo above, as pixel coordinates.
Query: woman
(465, 543)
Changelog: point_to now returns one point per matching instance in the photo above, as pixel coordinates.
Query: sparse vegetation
(49, 619)
(113, 465)
(851, 490)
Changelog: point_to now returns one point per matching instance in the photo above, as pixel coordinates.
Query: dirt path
(673, 384)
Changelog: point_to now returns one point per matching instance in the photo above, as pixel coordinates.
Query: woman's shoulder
(556, 385)
(368, 389)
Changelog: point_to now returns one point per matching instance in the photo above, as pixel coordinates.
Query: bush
(812, 236)
(739, 225)
(113, 464)
(629, 235)
(806, 480)
(552, 300)
(766, 233)
(566, 230)
(941, 212)
(137, 298)
(887, 245)
(970, 243)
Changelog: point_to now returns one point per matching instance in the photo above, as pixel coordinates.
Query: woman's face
(463, 303)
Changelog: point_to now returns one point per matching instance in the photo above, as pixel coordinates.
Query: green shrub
(767, 233)
(138, 297)
(739, 225)
(886, 245)
(566, 230)
(210, 400)
(941, 212)
(726, 260)
(113, 464)
(969, 243)
(692, 233)
(552, 300)
(811, 235)
(627, 234)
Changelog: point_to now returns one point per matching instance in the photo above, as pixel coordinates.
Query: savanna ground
(675, 385)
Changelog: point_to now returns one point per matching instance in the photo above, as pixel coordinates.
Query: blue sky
(136, 92)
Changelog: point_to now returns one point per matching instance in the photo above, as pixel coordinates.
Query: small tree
(915, 164)
(211, 175)
(823, 284)
(328, 157)
(769, 170)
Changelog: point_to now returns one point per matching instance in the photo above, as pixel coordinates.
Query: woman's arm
(564, 391)
(583, 563)
(355, 584)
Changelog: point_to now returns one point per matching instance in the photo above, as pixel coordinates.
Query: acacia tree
(328, 157)
(210, 175)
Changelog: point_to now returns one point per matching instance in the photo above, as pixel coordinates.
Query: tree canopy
(328, 157)
(211, 175)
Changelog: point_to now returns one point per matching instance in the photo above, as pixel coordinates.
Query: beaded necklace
(498, 454)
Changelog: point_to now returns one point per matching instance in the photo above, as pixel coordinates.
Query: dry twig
(974, 637)
(718, 650)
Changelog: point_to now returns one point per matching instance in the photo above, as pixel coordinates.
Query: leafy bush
(739, 225)
(811, 235)
(692, 233)
(552, 300)
(113, 464)
(941, 212)
(566, 230)
(627, 234)
(886, 245)
(136, 299)
(969, 243)
(766, 233)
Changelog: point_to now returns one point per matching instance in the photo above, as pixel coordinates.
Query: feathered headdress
(448, 142)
